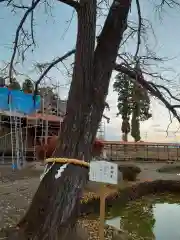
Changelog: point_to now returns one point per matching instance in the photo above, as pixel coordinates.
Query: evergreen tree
(135, 123)
(2, 82)
(133, 101)
(123, 87)
(140, 110)
(28, 86)
(14, 85)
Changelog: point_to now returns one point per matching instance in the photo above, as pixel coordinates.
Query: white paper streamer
(46, 170)
(60, 171)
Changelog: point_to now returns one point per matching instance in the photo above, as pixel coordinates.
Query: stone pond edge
(90, 206)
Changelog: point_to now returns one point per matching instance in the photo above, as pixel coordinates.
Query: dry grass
(92, 227)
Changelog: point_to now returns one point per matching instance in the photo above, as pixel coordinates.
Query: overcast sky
(54, 38)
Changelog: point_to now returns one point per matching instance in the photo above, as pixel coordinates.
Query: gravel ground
(17, 189)
(149, 170)
(15, 195)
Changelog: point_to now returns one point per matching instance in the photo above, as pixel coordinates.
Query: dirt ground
(17, 189)
(148, 170)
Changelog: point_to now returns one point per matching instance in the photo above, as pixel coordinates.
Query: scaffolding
(14, 107)
(17, 142)
(101, 130)
(45, 124)
(50, 124)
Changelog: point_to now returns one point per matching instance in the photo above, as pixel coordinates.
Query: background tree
(28, 86)
(123, 86)
(135, 122)
(14, 85)
(2, 82)
(140, 110)
(133, 101)
(51, 103)
(54, 208)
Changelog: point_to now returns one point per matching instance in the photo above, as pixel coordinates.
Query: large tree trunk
(54, 208)
(125, 137)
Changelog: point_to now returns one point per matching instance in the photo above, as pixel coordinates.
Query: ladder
(17, 143)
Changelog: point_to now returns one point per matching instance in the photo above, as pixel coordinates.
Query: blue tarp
(16, 100)
(4, 92)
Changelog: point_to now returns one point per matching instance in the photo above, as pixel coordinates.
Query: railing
(145, 152)
(5, 142)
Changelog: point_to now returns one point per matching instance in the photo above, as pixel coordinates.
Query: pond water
(149, 218)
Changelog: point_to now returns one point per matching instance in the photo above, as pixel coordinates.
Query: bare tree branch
(160, 7)
(170, 122)
(167, 90)
(169, 3)
(69, 24)
(32, 24)
(19, 6)
(139, 29)
(151, 87)
(8, 1)
(19, 28)
(137, 76)
(71, 3)
(107, 118)
(51, 65)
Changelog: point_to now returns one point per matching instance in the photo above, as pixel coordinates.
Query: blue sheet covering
(4, 92)
(16, 100)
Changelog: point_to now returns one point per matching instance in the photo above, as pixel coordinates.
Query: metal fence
(142, 151)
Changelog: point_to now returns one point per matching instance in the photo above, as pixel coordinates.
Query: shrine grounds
(17, 189)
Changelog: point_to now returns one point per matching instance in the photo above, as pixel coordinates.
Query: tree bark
(54, 208)
(125, 137)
